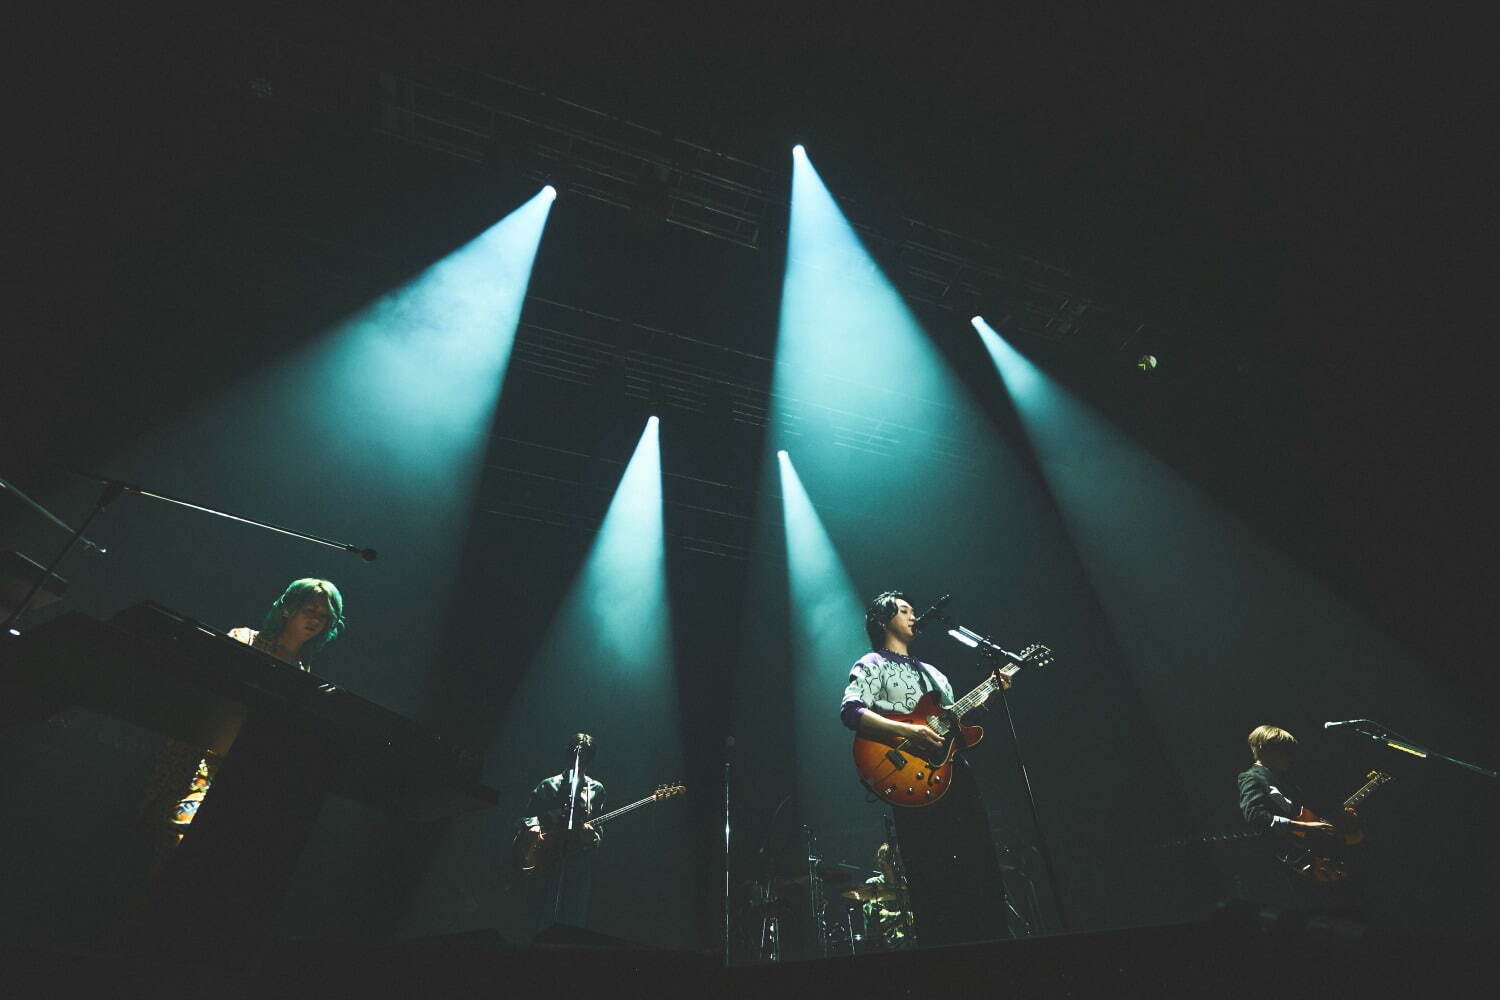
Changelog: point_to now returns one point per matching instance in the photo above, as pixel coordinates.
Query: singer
(956, 890)
(561, 895)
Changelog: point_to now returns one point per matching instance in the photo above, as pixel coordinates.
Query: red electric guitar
(906, 775)
(1322, 858)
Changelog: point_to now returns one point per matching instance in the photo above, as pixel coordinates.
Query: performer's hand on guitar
(1315, 826)
(920, 734)
(1002, 680)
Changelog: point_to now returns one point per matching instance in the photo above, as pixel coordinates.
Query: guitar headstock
(1378, 778)
(1036, 655)
(667, 791)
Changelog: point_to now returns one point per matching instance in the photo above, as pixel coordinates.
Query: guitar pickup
(894, 756)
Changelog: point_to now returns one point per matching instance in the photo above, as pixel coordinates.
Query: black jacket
(1265, 795)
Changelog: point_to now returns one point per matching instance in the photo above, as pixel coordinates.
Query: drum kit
(887, 917)
(844, 913)
(833, 908)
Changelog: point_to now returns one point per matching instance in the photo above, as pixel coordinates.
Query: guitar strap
(926, 682)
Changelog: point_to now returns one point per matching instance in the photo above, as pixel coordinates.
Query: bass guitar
(903, 774)
(1321, 859)
(533, 849)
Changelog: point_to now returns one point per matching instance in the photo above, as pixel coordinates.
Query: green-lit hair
(298, 593)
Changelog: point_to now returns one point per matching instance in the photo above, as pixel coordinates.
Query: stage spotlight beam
(1202, 608)
(624, 581)
(605, 667)
(374, 430)
(825, 613)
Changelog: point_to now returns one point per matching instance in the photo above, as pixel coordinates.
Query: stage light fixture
(966, 640)
(1146, 362)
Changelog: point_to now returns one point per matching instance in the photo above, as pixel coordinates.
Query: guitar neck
(623, 810)
(980, 694)
(1364, 792)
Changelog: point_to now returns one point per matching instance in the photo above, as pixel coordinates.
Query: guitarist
(1270, 800)
(953, 875)
(562, 894)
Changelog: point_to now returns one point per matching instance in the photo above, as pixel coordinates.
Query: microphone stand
(991, 651)
(770, 923)
(113, 488)
(28, 501)
(575, 777)
(107, 496)
(1387, 737)
(815, 890)
(728, 755)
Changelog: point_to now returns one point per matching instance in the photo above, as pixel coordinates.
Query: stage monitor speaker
(568, 936)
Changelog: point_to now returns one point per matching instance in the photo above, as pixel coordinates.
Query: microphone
(368, 555)
(1346, 722)
(931, 614)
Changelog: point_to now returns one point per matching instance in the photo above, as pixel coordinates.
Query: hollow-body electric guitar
(533, 849)
(903, 774)
(1321, 858)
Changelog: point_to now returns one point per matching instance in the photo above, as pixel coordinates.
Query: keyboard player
(307, 616)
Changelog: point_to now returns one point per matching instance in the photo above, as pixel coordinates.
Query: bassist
(562, 896)
(954, 877)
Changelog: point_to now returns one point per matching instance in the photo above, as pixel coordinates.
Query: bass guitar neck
(534, 849)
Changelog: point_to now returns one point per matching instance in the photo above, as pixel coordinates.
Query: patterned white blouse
(892, 683)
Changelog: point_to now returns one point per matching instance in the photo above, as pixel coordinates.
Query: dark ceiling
(1292, 208)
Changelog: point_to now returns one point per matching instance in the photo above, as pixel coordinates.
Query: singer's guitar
(1320, 858)
(902, 774)
(534, 849)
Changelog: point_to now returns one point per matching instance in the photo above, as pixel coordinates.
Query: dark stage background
(1285, 522)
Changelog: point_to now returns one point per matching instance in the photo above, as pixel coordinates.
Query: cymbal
(872, 893)
(828, 873)
(834, 874)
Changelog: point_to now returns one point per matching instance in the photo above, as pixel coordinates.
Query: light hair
(298, 593)
(1263, 736)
